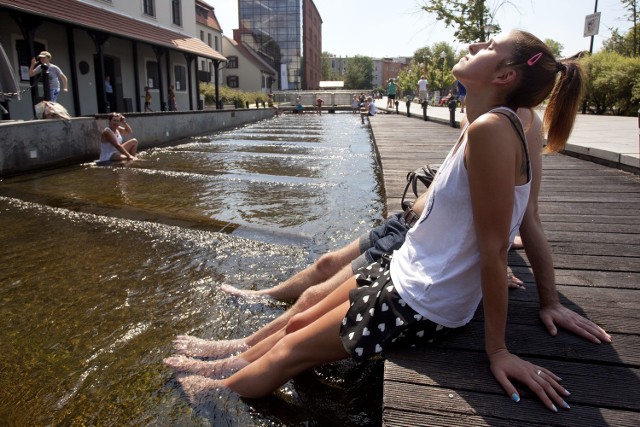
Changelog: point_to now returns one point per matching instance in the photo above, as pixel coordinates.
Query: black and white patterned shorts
(378, 317)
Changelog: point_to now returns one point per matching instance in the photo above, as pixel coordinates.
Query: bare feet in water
(211, 369)
(246, 293)
(197, 347)
(201, 390)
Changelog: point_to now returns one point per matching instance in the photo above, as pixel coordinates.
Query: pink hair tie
(534, 58)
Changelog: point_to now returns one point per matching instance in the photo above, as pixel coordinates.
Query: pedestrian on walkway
(41, 64)
(423, 89)
(391, 93)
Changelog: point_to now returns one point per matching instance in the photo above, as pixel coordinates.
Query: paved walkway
(610, 140)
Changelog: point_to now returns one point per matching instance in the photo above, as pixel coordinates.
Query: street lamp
(443, 55)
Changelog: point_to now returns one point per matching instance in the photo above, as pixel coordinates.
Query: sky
(383, 28)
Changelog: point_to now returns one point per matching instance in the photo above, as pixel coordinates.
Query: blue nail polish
(515, 397)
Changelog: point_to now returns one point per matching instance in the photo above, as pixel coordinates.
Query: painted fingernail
(567, 392)
(553, 408)
(515, 397)
(565, 405)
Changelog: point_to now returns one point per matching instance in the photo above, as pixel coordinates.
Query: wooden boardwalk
(591, 216)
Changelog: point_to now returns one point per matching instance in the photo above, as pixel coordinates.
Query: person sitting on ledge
(369, 109)
(112, 147)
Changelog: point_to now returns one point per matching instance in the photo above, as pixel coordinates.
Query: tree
(622, 44)
(613, 83)
(469, 17)
(556, 47)
(427, 61)
(359, 73)
(328, 73)
(632, 7)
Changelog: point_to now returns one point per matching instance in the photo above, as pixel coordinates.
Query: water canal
(101, 267)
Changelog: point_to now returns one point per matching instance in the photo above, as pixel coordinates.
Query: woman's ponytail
(564, 102)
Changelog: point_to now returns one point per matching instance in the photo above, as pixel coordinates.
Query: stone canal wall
(27, 146)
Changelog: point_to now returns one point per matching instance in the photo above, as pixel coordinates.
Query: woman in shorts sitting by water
(112, 149)
(455, 255)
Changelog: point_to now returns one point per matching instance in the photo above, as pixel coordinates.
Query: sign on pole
(592, 24)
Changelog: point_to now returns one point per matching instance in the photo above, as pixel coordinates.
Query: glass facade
(274, 29)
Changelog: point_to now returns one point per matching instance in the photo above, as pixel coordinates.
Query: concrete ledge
(42, 144)
(623, 162)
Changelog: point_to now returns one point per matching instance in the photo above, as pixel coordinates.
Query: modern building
(136, 43)
(288, 34)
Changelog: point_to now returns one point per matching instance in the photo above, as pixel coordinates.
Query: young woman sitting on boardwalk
(473, 211)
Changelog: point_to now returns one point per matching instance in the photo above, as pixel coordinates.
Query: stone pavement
(610, 140)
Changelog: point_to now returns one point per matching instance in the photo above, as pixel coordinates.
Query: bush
(230, 96)
(613, 83)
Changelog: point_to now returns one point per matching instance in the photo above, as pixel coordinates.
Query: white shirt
(437, 270)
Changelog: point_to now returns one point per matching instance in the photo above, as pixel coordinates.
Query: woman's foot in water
(198, 347)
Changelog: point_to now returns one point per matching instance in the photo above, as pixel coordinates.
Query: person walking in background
(42, 65)
(147, 99)
(319, 102)
(108, 90)
(391, 93)
(423, 89)
(112, 147)
(462, 94)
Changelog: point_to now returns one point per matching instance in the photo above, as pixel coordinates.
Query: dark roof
(86, 16)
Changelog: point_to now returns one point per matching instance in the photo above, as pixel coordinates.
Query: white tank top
(437, 270)
(107, 149)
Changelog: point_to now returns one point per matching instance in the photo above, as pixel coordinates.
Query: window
(201, 35)
(149, 7)
(216, 43)
(233, 81)
(209, 39)
(233, 62)
(152, 75)
(181, 77)
(176, 12)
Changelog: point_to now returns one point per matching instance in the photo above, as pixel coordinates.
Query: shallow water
(101, 267)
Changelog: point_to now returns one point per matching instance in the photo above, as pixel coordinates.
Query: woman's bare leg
(320, 271)
(305, 348)
(197, 347)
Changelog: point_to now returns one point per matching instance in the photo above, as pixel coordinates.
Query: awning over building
(83, 15)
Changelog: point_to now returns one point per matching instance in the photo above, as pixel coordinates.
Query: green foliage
(556, 47)
(623, 44)
(230, 96)
(468, 17)
(613, 83)
(427, 61)
(328, 73)
(359, 73)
